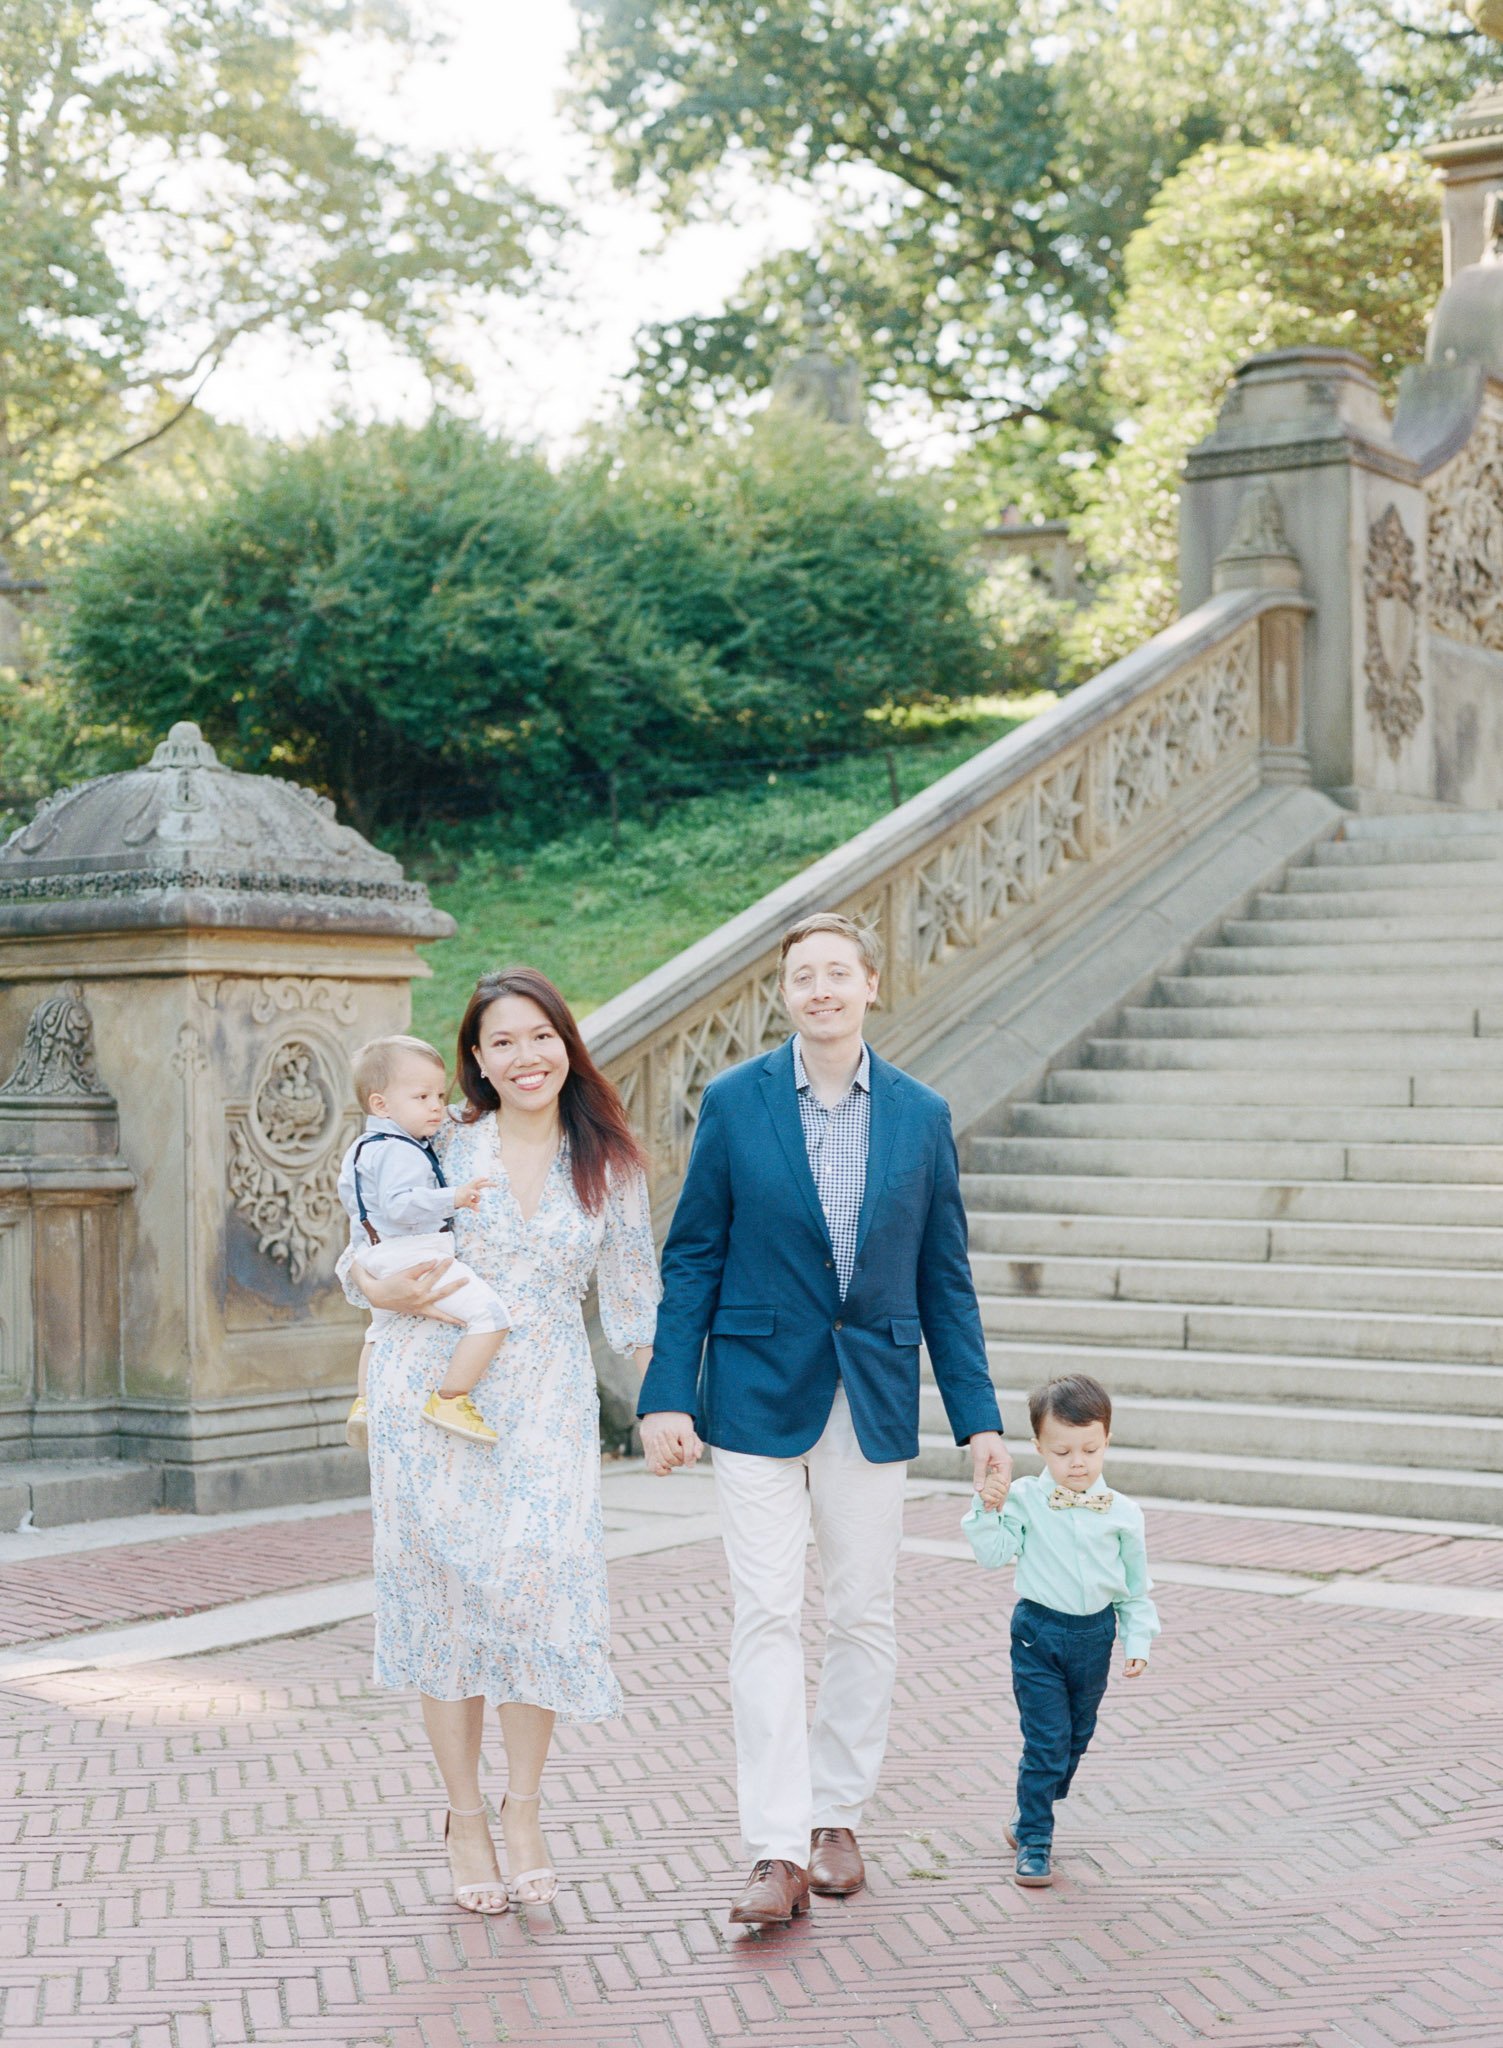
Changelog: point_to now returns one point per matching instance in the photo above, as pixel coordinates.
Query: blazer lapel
(882, 1128)
(781, 1098)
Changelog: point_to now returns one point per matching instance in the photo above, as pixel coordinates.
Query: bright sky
(544, 372)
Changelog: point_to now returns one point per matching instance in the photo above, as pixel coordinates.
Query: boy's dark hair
(1076, 1399)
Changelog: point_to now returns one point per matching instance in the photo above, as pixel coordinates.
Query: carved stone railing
(997, 859)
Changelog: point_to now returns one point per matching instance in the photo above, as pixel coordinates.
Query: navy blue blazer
(752, 1335)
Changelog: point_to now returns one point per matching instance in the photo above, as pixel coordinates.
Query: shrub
(421, 620)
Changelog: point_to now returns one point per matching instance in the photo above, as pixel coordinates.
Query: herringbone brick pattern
(57, 1596)
(1290, 1835)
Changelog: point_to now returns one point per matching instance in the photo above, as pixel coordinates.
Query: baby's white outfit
(401, 1214)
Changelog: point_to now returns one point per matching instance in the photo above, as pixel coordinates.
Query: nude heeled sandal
(530, 1887)
(472, 1897)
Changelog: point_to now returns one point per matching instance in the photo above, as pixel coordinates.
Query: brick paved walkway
(1290, 1835)
(56, 1596)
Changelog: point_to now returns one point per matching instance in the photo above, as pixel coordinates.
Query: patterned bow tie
(1062, 1497)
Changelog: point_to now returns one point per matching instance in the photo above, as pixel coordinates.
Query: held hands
(991, 1467)
(468, 1195)
(994, 1491)
(668, 1440)
(1135, 1667)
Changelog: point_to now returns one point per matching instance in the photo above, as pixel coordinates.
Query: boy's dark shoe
(1033, 1866)
(835, 1866)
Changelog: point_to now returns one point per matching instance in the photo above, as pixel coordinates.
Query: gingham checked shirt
(836, 1141)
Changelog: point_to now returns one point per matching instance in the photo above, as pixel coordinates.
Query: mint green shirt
(1075, 1560)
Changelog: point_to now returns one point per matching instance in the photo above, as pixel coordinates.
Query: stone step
(1416, 848)
(1405, 1051)
(1340, 905)
(1041, 1235)
(1210, 1326)
(1421, 824)
(1322, 1086)
(1347, 1203)
(1336, 1020)
(1361, 877)
(1293, 1430)
(1292, 1122)
(1421, 957)
(1356, 936)
(1234, 1283)
(1368, 992)
(1445, 1389)
(1453, 1494)
(60, 1490)
(1159, 1157)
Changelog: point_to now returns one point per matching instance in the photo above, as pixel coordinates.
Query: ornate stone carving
(284, 1150)
(945, 901)
(1392, 665)
(1465, 541)
(57, 1055)
(280, 993)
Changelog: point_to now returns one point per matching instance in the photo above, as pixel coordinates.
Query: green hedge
(426, 621)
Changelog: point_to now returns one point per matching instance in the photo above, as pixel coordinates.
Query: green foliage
(423, 619)
(1244, 251)
(596, 913)
(978, 166)
(169, 184)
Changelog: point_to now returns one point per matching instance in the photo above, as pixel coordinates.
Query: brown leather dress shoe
(835, 1866)
(775, 1893)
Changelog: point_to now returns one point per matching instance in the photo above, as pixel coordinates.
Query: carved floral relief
(1465, 543)
(1392, 599)
(284, 1150)
(57, 1055)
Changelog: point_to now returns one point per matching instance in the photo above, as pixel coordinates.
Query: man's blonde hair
(861, 936)
(377, 1061)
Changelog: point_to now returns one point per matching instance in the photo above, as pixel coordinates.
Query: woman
(490, 1561)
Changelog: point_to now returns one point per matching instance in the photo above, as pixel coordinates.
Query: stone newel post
(188, 957)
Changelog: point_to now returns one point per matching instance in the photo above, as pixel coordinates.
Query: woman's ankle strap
(511, 1794)
(466, 1812)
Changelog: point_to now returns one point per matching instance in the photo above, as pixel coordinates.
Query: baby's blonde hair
(377, 1062)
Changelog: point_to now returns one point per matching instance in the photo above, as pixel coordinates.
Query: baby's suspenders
(401, 1138)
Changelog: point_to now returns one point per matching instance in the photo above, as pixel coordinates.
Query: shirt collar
(387, 1123)
(862, 1078)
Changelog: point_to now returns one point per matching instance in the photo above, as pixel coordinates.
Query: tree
(424, 621)
(169, 185)
(978, 165)
(1243, 251)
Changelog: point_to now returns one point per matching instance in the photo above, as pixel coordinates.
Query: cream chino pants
(792, 1778)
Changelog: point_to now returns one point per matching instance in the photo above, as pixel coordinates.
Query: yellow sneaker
(458, 1414)
(356, 1428)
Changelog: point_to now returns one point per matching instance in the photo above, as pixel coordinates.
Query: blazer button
(829, 1265)
(840, 1326)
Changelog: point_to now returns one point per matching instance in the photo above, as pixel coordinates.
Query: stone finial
(183, 839)
(57, 1054)
(1258, 555)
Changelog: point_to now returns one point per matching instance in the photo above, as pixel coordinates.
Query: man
(819, 1231)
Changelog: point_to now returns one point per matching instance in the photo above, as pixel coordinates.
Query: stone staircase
(1268, 1210)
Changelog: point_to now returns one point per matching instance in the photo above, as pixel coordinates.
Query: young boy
(1082, 1572)
(401, 1213)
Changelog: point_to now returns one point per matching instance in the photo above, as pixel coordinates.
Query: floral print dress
(490, 1563)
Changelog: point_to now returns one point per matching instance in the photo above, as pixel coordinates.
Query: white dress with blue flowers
(490, 1563)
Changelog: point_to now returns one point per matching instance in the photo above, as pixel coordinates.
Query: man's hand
(467, 1196)
(669, 1440)
(989, 1455)
(415, 1291)
(1135, 1667)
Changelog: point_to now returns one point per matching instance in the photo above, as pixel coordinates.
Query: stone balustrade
(995, 861)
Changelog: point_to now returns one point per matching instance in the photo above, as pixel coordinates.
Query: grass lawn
(596, 917)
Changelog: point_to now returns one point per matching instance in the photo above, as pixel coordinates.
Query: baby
(401, 1214)
(1082, 1573)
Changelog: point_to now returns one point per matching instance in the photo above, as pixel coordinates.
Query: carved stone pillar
(231, 944)
(1304, 486)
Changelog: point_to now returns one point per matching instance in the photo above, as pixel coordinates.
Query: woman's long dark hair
(600, 1139)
